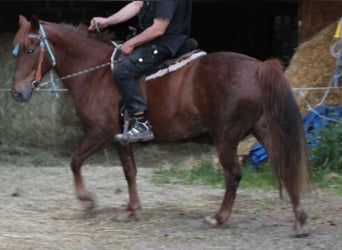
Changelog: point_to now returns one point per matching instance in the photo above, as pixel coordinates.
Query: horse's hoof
(301, 232)
(89, 206)
(300, 226)
(89, 214)
(126, 215)
(89, 209)
(88, 202)
(209, 222)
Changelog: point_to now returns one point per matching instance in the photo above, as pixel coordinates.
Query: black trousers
(133, 66)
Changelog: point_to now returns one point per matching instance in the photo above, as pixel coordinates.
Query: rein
(114, 58)
(52, 79)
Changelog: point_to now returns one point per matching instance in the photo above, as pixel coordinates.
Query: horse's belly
(178, 130)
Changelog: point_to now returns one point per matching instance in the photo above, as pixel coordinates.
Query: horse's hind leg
(260, 131)
(227, 153)
(301, 217)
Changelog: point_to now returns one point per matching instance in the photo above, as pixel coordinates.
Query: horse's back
(226, 79)
(210, 90)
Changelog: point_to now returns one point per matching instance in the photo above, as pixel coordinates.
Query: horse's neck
(75, 54)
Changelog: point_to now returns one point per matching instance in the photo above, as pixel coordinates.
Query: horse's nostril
(18, 96)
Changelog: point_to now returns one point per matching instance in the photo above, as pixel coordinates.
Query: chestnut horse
(227, 95)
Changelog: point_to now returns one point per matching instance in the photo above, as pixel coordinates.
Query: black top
(178, 12)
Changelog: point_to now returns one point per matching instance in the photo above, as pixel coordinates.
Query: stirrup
(124, 138)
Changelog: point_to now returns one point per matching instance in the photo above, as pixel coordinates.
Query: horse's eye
(30, 51)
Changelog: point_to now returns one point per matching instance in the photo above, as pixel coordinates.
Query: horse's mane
(82, 30)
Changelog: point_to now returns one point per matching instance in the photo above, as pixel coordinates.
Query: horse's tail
(288, 149)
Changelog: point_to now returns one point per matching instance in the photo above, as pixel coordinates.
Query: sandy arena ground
(39, 211)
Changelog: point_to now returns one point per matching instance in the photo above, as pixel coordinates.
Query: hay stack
(45, 122)
(313, 66)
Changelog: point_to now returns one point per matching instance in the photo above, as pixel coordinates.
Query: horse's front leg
(91, 144)
(127, 160)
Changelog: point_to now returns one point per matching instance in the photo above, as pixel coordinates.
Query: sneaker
(140, 131)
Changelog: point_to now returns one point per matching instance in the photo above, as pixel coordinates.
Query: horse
(226, 95)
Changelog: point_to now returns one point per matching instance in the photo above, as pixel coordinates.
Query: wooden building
(315, 15)
(260, 28)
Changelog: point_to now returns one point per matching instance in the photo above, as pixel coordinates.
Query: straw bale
(45, 122)
(312, 65)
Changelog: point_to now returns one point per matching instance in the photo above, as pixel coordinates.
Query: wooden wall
(315, 15)
(257, 28)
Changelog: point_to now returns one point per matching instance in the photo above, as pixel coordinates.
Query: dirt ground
(39, 211)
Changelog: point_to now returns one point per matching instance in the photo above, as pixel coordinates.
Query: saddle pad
(179, 63)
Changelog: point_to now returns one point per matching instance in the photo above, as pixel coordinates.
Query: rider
(163, 28)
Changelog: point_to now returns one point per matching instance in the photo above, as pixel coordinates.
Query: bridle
(44, 43)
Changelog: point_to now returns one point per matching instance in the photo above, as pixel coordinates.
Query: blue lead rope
(15, 51)
(54, 89)
(52, 56)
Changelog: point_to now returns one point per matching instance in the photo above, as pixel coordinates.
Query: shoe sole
(127, 140)
(143, 139)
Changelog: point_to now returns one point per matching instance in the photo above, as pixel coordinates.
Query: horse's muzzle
(22, 95)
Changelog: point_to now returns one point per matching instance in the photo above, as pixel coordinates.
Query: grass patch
(204, 172)
(328, 180)
(261, 178)
(207, 171)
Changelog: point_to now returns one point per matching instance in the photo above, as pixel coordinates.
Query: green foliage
(324, 178)
(327, 154)
(326, 158)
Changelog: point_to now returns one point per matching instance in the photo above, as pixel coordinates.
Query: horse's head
(29, 49)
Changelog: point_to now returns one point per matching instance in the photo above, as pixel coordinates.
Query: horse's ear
(34, 23)
(22, 20)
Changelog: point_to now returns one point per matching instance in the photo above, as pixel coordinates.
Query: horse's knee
(237, 176)
(233, 177)
(75, 164)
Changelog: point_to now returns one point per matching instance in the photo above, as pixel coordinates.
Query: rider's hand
(127, 47)
(98, 23)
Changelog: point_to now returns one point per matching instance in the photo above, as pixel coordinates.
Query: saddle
(188, 48)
